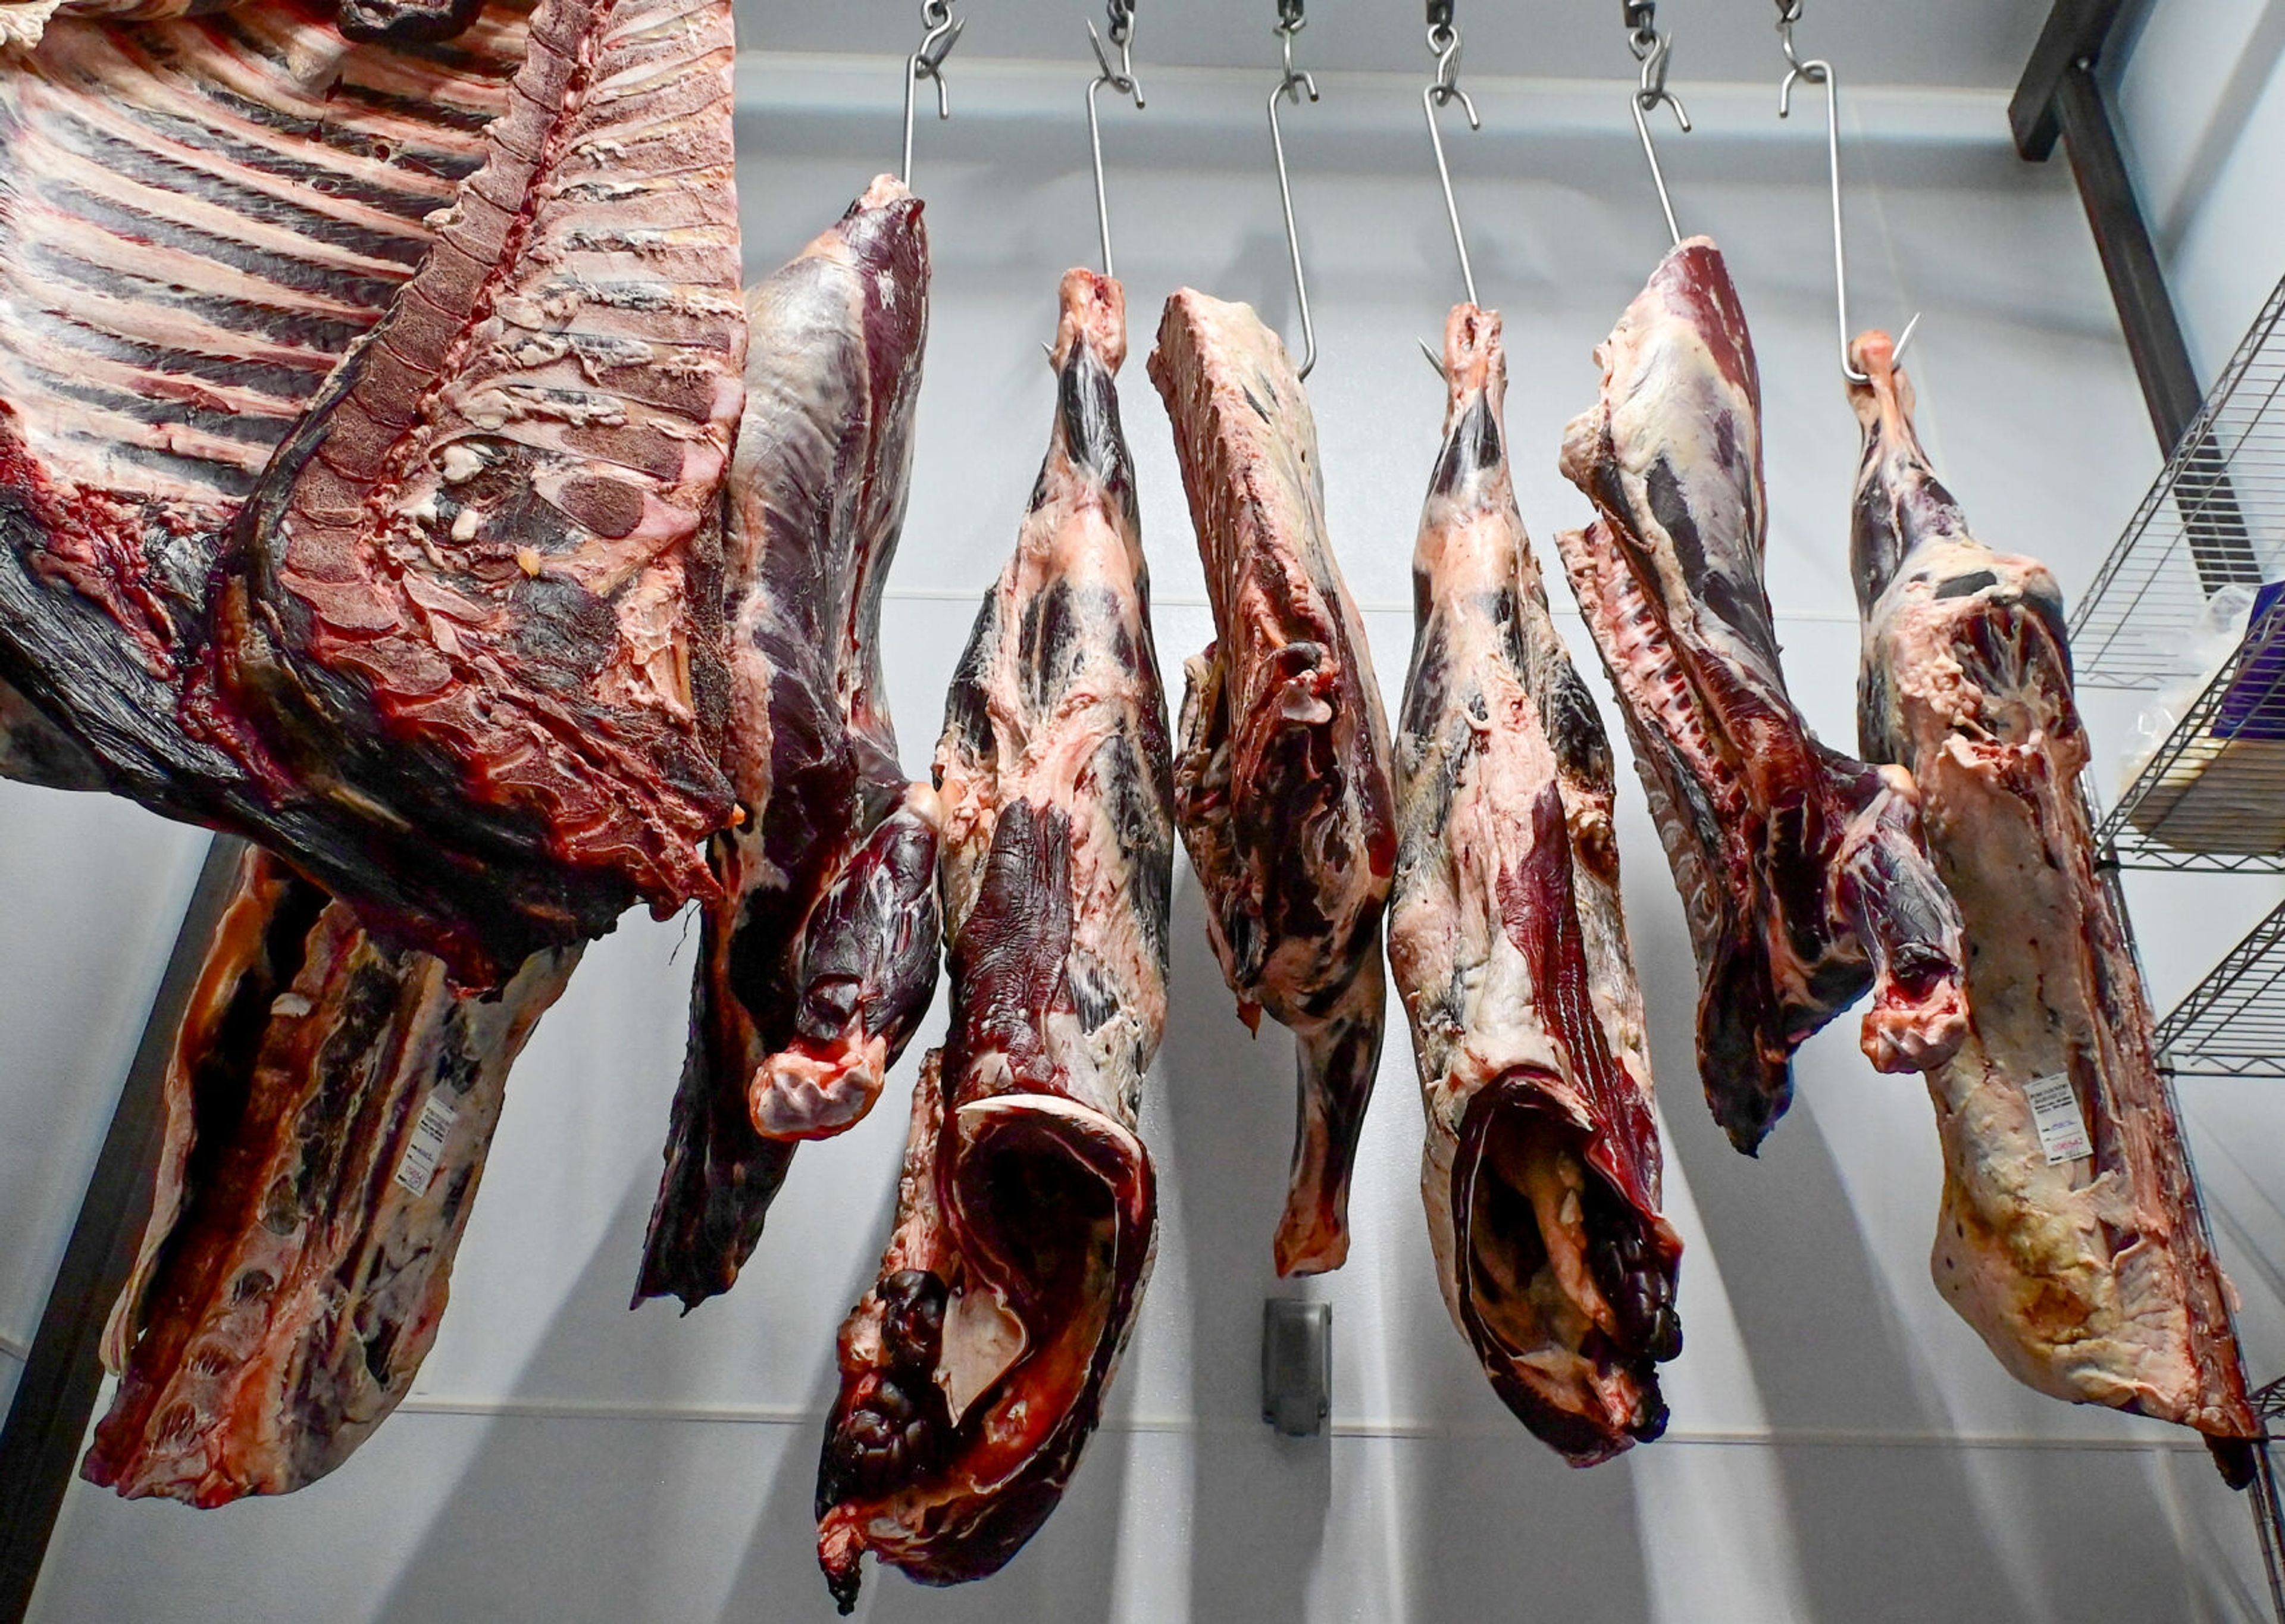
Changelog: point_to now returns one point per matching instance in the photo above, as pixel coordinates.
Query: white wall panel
(1843, 1448)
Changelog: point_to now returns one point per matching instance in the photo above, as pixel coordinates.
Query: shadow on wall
(1258, 1501)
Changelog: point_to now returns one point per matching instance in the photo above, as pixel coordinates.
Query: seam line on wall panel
(778, 1415)
(1170, 601)
(19, 1349)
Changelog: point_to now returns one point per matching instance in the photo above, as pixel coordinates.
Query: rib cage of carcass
(364, 402)
(363, 413)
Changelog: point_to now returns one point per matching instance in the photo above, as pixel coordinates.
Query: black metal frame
(63, 1370)
(2059, 98)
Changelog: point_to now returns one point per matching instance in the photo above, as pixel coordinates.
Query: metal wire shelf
(2234, 1023)
(2215, 518)
(2211, 797)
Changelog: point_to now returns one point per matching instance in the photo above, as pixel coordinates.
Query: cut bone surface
(1541, 1171)
(974, 1371)
(1803, 871)
(819, 956)
(2090, 1277)
(1282, 787)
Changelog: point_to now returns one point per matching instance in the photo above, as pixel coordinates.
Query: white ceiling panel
(1974, 44)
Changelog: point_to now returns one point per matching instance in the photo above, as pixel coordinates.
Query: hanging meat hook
(1444, 89)
(1295, 81)
(1817, 71)
(941, 33)
(1121, 80)
(1652, 49)
(1444, 40)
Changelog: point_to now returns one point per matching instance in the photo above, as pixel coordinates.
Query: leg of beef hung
(974, 1371)
(328, 1105)
(1803, 871)
(2069, 1236)
(1541, 1168)
(1282, 787)
(199, 219)
(820, 956)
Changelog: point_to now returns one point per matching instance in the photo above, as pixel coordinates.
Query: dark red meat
(1803, 871)
(974, 1371)
(820, 955)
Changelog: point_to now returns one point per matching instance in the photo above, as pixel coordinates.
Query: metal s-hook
(1817, 70)
(1444, 40)
(1122, 81)
(1653, 49)
(940, 34)
(1294, 83)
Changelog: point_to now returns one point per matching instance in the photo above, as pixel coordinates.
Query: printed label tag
(2061, 1125)
(429, 1135)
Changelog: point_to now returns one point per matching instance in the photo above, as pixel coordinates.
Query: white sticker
(429, 1135)
(2063, 1125)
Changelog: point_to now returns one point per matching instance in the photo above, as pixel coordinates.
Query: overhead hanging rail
(1818, 71)
(940, 32)
(1654, 50)
(1121, 82)
(1295, 83)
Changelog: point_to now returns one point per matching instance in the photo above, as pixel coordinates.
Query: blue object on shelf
(2253, 705)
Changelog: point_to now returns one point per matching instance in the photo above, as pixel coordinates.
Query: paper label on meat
(2062, 1124)
(431, 1134)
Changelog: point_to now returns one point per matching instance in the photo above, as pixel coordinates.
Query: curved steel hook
(1122, 81)
(942, 33)
(1295, 81)
(1652, 49)
(1441, 92)
(1817, 70)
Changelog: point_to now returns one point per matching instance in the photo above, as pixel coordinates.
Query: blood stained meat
(1541, 1168)
(819, 956)
(975, 1370)
(1803, 873)
(329, 1104)
(1282, 785)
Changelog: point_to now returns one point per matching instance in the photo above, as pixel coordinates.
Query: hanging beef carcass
(820, 955)
(975, 1370)
(459, 668)
(2069, 1235)
(328, 1103)
(1803, 872)
(1541, 1168)
(1282, 787)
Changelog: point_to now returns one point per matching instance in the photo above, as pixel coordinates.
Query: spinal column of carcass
(1541, 1171)
(2069, 1236)
(198, 218)
(820, 957)
(973, 1372)
(1281, 790)
(1803, 871)
(477, 583)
